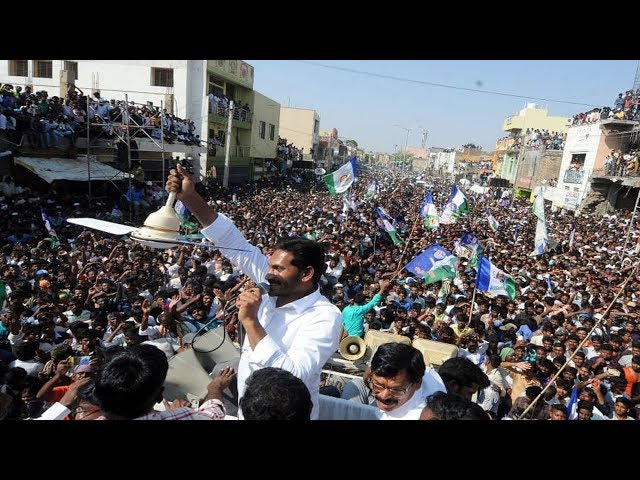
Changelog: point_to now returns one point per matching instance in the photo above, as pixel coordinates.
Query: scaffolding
(123, 134)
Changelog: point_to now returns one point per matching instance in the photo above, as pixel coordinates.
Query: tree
(351, 143)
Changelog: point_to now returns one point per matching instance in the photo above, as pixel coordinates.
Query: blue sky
(366, 107)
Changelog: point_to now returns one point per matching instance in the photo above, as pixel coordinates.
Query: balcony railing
(234, 151)
(238, 113)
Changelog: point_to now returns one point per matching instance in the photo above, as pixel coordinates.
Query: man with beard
(293, 326)
(400, 382)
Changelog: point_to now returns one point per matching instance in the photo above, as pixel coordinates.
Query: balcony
(234, 151)
(241, 119)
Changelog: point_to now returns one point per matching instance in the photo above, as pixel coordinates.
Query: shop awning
(75, 169)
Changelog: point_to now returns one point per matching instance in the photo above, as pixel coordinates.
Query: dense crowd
(77, 294)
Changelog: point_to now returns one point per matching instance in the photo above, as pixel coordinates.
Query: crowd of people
(625, 107)
(75, 299)
(542, 138)
(621, 164)
(35, 120)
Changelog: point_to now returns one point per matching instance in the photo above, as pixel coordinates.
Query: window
(216, 85)
(43, 68)
(19, 68)
(316, 126)
(72, 68)
(272, 132)
(162, 77)
(261, 131)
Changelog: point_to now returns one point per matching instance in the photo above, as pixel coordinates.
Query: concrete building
(180, 86)
(264, 133)
(538, 167)
(419, 158)
(532, 117)
(583, 183)
(300, 126)
(512, 159)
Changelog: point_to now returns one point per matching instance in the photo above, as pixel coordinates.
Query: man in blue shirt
(353, 315)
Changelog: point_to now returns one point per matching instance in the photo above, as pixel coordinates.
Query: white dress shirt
(301, 335)
(411, 410)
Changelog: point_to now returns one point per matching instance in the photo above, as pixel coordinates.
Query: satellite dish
(320, 171)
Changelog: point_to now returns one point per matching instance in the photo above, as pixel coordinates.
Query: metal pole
(164, 175)
(406, 150)
(633, 216)
(88, 159)
(125, 119)
(227, 146)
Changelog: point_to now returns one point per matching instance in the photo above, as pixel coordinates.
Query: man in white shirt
(293, 327)
(400, 382)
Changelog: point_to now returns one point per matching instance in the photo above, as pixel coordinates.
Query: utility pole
(227, 146)
(406, 143)
(425, 134)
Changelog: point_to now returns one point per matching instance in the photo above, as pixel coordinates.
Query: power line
(443, 85)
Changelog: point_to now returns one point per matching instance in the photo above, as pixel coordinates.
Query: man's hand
(180, 182)
(177, 403)
(384, 285)
(71, 396)
(248, 303)
(220, 383)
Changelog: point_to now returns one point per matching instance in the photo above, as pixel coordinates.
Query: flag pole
(596, 324)
(473, 299)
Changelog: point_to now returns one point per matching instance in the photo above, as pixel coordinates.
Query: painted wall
(297, 126)
(536, 118)
(266, 110)
(537, 167)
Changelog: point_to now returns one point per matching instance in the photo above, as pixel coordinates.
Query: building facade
(181, 87)
(300, 126)
(583, 181)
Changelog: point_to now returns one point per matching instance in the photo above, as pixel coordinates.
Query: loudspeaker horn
(352, 348)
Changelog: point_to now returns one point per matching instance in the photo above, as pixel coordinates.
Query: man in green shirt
(353, 315)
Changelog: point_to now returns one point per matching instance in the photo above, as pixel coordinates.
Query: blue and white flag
(456, 205)
(572, 405)
(55, 241)
(493, 223)
(541, 239)
(372, 191)
(493, 280)
(434, 264)
(181, 209)
(429, 212)
(384, 214)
